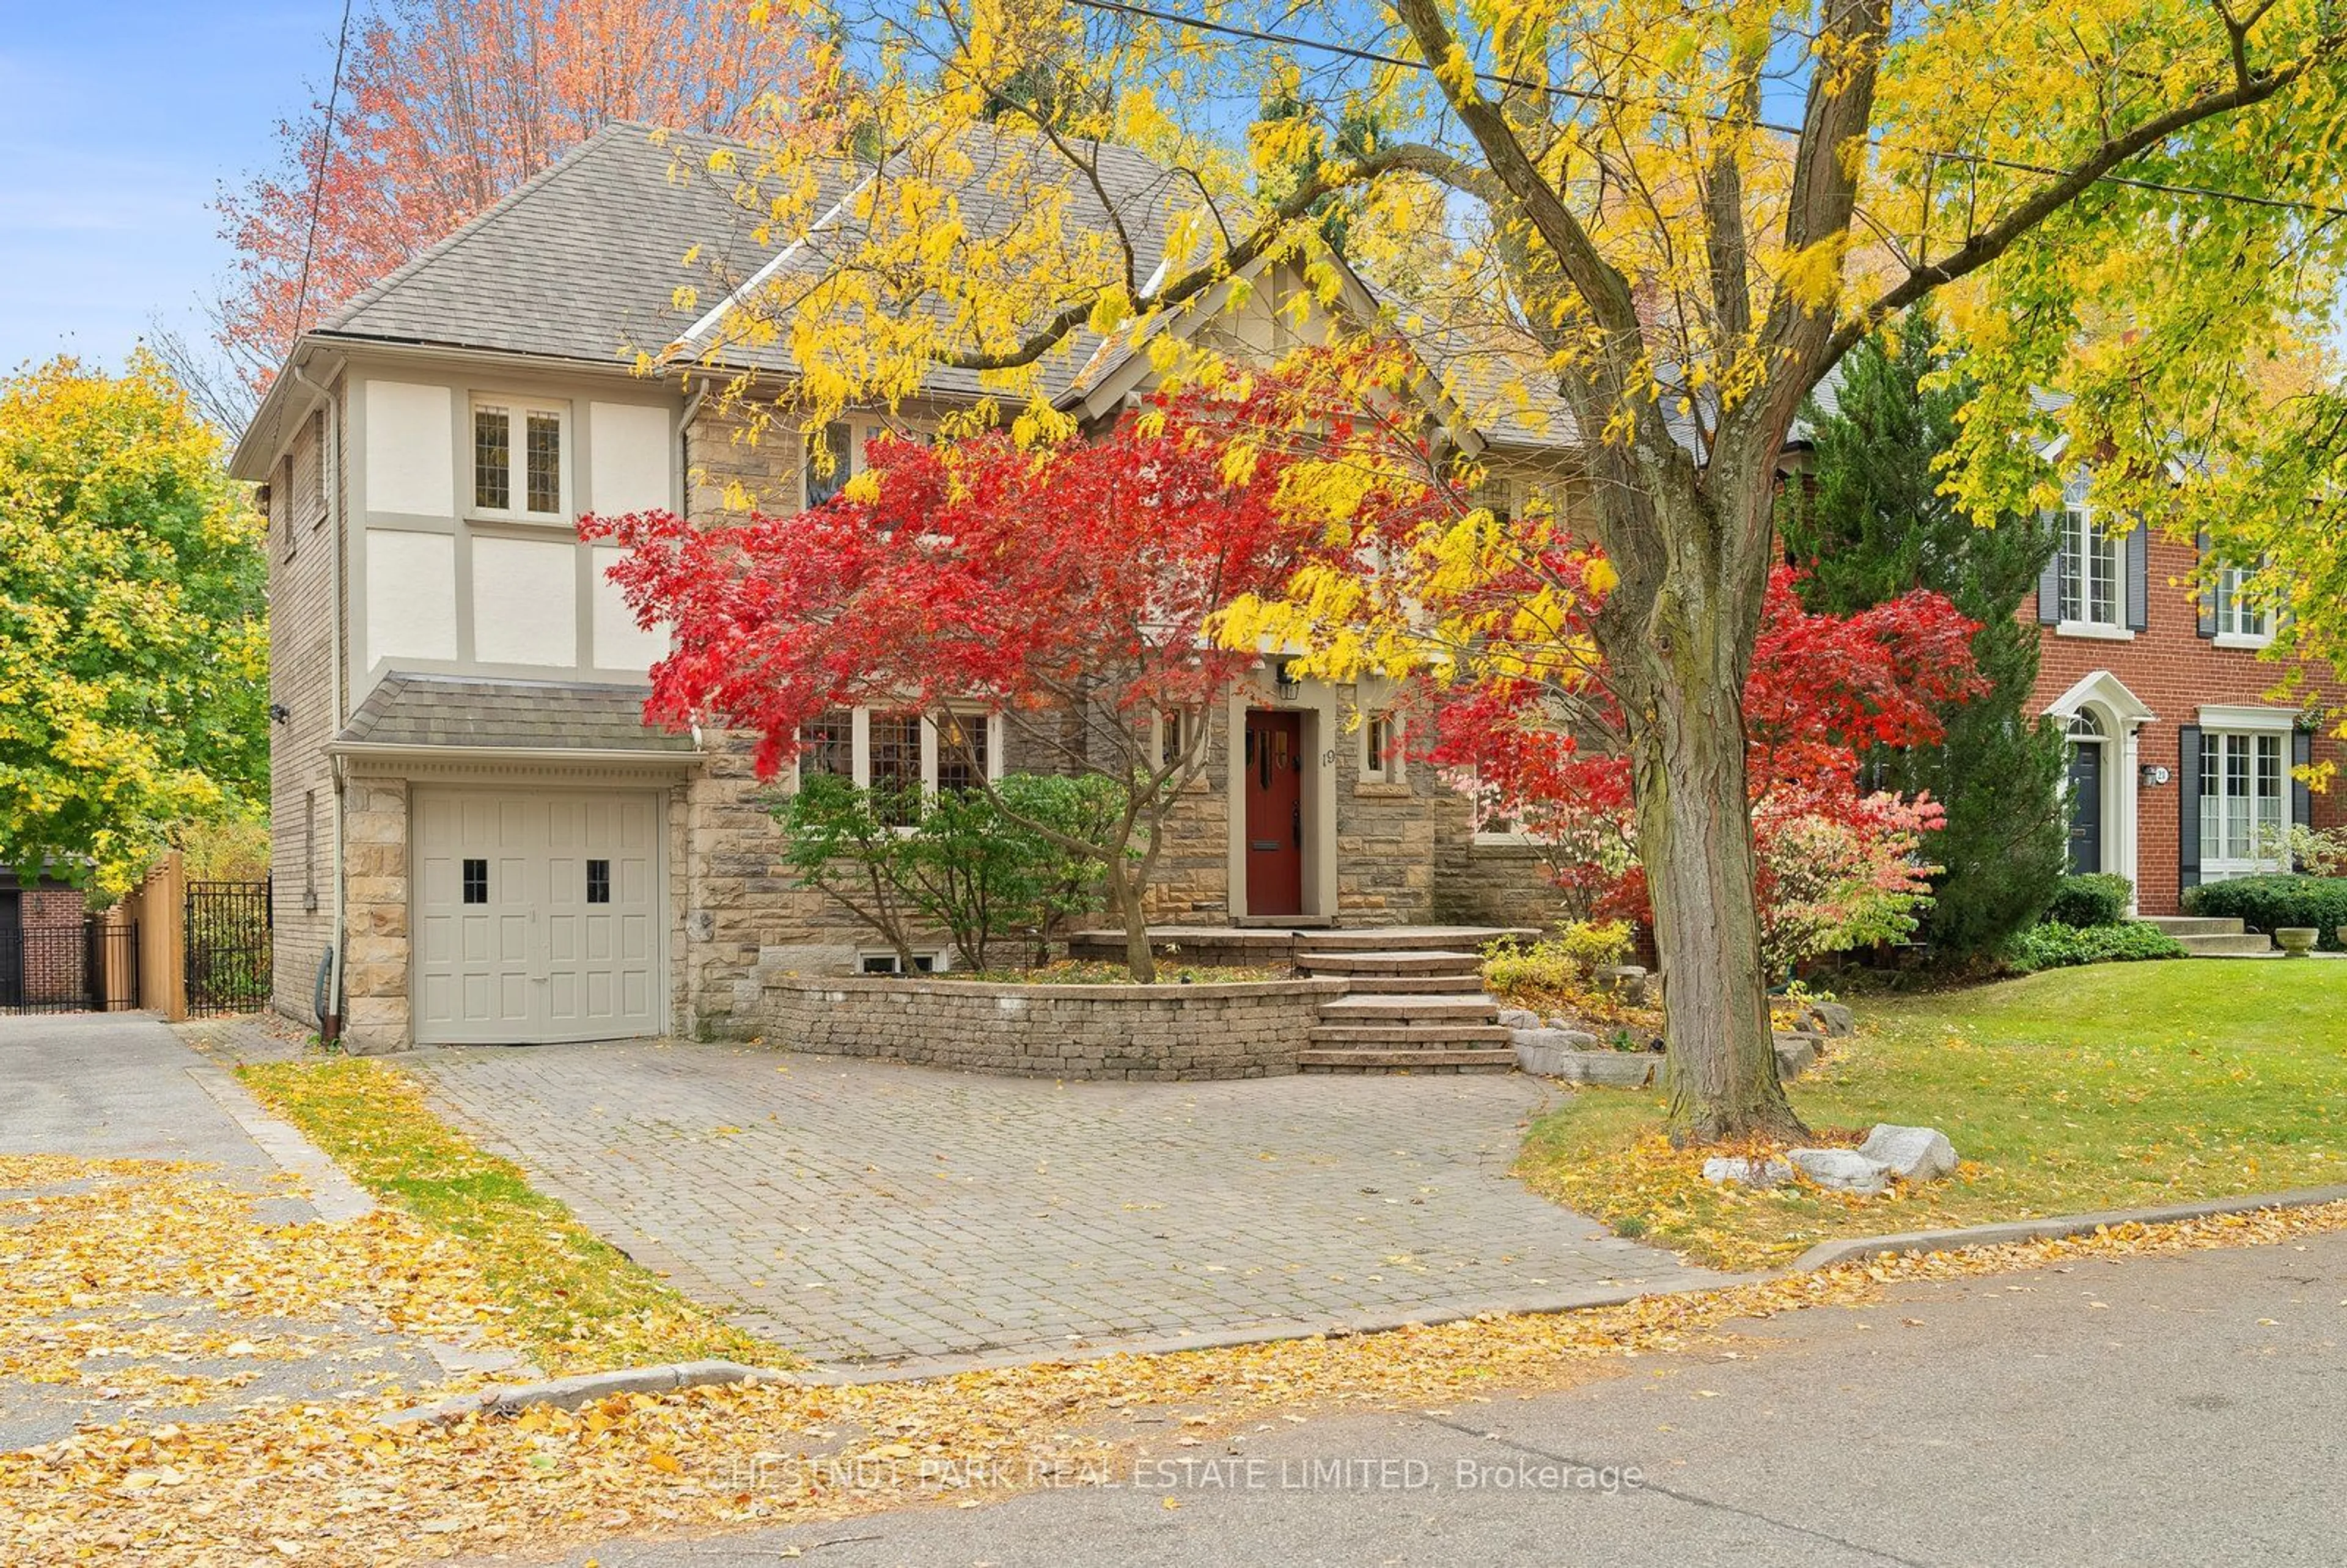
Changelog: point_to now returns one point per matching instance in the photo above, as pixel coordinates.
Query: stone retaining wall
(1145, 1032)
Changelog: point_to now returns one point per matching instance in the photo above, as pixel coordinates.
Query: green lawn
(2112, 1086)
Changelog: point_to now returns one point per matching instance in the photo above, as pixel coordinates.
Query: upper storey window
(2090, 572)
(517, 454)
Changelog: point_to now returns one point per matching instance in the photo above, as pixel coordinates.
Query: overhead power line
(318, 180)
(1587, 95)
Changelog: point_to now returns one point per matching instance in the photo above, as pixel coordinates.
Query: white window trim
(2245, 723)
(940, 960)
(2095, 630)
(2214, 716)
(2078, 525)
(517, 410)
(2226, 595)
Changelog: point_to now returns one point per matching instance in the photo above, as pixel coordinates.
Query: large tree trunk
(1681, 667)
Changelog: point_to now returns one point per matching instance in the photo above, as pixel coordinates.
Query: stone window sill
(2094, 630)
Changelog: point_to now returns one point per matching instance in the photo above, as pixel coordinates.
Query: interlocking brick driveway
(867, 1212)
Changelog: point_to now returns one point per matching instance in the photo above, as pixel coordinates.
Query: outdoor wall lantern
(279, 712)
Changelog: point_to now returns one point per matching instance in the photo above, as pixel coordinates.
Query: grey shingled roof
(582, 262)
(411, 709)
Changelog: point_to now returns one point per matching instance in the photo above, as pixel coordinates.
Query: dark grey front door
(2086, 809)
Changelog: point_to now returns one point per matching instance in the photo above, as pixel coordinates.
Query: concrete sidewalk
(122, 1085)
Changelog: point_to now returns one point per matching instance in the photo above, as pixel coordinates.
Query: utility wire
(318, 180)
(1584, 95)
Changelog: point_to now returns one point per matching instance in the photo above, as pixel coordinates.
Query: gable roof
(585, 263)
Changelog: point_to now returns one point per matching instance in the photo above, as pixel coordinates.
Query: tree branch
(1992, 243)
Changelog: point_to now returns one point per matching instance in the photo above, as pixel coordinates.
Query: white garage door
(537, 917)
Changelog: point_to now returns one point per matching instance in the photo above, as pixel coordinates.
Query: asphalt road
(2178, 1410)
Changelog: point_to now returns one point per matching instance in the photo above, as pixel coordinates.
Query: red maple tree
(1542, 750)
(1070, 589)
(446, 105)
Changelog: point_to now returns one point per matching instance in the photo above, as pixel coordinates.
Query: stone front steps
(1414, 1003)
(2205, 937)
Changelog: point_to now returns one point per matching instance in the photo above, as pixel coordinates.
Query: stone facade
(374, 915)
(1164, 1032)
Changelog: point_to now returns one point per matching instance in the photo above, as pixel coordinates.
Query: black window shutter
(2207, 591)
(2187, 804)
(2302, 798)
(2049, 583)
(2138, 575)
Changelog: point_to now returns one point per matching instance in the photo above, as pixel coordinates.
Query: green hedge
(2054, 945)
(2270, 902)
(2099, 899)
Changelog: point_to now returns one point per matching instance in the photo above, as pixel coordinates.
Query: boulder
(1747, 1173)
(1625, 982)
(1539, 1050)
(1574, 1034)
(1796, 1054)
(1843, 1170)
(1519, 1018)
(1834, 1018)
(1912, 1153)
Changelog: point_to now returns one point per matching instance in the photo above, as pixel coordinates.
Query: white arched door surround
(2100, 712)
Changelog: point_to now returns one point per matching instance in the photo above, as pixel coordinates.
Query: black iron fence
(227, 946)
(89, 966)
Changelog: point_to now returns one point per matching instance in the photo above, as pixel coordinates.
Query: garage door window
(598, 882)
(476, 882)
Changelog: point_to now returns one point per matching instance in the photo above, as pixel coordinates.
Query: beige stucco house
(468, 811)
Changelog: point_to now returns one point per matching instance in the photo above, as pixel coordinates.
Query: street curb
(569, 1393)
(1825, 1255)
(846, 1375)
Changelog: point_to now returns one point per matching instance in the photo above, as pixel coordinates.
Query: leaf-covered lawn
(2114, 1086)
(578, 1304)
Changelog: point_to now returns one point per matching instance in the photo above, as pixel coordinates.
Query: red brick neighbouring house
(2182, 745)
(41, 947)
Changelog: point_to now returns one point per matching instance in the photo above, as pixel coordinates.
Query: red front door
(1275, 812)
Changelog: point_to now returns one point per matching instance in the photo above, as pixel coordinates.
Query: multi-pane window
(1173, 736)
(2090, 570)
(505, 434)
(543, 462)
(476, 882)
(827, 744)
(961, 753)
(2242, 779)
(1378, 759)
(2238, 614)
(893, 747)
(598, 882)
(831, 461)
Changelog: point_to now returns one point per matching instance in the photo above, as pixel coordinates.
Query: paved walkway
(865, 1212)
(123, 1086)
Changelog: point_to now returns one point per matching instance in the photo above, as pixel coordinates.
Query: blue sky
(118, 123)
